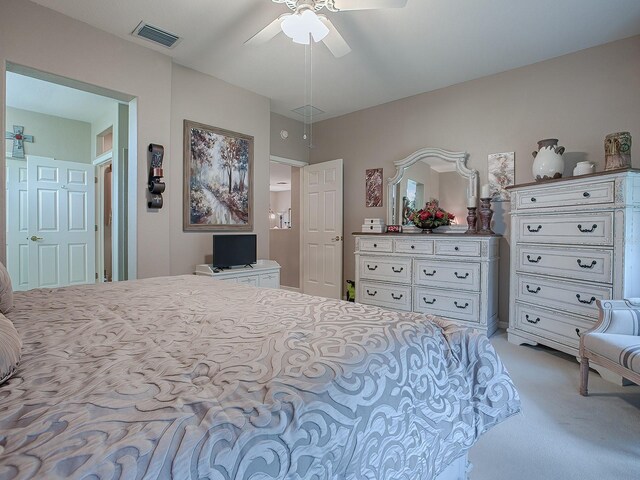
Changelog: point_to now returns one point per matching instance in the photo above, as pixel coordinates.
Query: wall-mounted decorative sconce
(156, 185)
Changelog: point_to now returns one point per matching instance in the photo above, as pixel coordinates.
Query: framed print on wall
(373, 182)
(218, 179)
(501, 174)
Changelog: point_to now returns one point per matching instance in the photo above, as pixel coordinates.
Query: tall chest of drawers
(573, 241)
(454, 276)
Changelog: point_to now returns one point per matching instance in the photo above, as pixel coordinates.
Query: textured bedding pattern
(187, 377)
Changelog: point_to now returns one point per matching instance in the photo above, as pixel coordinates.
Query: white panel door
(61, 223)
(17, 223)
(322, 234)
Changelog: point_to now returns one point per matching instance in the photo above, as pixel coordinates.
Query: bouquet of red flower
(431, 216)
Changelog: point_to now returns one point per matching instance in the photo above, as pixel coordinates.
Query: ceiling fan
(305, 24)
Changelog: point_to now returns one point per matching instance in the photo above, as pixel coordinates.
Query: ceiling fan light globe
(302, 40)
(319, 32)
(300, 26)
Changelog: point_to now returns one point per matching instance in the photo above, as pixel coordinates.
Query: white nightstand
(264, 273)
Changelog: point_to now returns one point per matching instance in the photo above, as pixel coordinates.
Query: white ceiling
(429, 44)
(49, 98)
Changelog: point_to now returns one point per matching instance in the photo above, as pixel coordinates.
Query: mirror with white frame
(431, 173)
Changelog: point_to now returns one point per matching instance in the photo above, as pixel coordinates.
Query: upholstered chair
(614, 342)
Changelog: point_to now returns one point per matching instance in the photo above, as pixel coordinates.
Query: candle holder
(472, 220)
(485, 216)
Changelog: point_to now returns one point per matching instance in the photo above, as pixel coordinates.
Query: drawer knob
(530, 290)
(532, 321)
(375, 245)
(461, 306)
(429, 274)
(578, 332)
(534, 230)
(584, 265)
(586, 302)
(456, 248)
(396, 298)
(424, 299)
(587, 230)
(372, 294)
(466, 275)
(536, 260)
(533, 199)
(397, 271)
(586, 194)
(375, 267)
(412, 247)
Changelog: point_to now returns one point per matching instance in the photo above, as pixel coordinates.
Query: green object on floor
(351, 291)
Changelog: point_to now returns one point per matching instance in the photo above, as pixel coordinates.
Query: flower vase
(548, 161)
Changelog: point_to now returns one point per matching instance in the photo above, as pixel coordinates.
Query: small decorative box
(374, 221)
(373, 228)
(394, 228)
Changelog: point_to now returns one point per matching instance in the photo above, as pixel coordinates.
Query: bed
(188, 378)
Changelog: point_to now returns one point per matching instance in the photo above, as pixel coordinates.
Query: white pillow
(6, 290)
(10, 346)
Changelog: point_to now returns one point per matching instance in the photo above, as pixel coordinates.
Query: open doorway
(67, 182)
(284, 221)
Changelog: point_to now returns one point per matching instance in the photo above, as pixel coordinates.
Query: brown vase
(617, 150)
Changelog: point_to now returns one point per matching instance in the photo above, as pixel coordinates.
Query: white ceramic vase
(584, 168)
(548, 161)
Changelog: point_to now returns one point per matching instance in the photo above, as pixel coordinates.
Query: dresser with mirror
(448, 273)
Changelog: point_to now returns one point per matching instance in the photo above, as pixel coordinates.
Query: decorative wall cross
(18, 138)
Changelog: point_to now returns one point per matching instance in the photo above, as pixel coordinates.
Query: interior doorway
(104, 220)
(68, 182)
(285, 219)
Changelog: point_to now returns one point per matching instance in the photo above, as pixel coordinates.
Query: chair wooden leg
(584, 376)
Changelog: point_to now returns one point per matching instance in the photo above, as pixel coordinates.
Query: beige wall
(205, 99)
(62, 46)
(577, 98)
(294, 147)
(57, 137)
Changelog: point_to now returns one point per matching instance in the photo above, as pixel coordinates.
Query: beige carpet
(560, 434)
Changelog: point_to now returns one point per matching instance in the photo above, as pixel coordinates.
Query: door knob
(35, 239)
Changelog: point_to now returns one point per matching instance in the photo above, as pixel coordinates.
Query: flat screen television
(234, 250)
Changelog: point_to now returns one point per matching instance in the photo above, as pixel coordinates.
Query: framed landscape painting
(218, 179)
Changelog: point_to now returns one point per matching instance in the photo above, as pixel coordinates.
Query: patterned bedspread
(191, 378)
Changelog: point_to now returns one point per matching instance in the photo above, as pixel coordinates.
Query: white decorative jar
(548, 161)
(584, 168)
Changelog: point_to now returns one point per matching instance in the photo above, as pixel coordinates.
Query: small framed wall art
(373, 183)
(501, 174)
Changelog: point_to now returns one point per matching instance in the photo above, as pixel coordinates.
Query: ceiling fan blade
(334, 41)
(342, 5)
(268, 32)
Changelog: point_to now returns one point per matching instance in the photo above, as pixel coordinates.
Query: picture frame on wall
(501, 174)
(373, 187)
(218, 179)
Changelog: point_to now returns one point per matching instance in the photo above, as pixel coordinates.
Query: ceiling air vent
(308, 111)
(156, 35)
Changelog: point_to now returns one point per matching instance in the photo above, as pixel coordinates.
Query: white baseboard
(291, 289)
